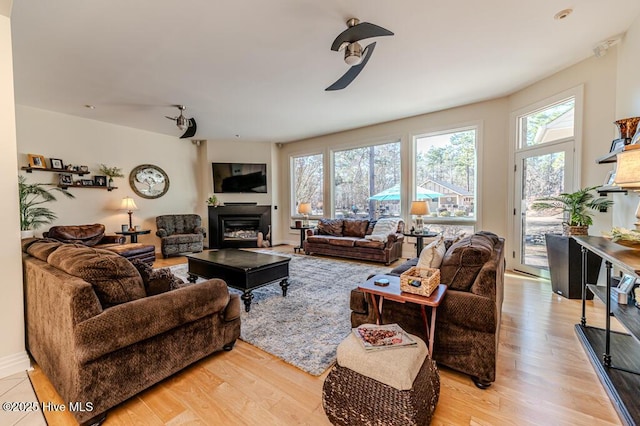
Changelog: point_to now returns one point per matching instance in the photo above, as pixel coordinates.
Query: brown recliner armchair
(94, 236)
(180, 233)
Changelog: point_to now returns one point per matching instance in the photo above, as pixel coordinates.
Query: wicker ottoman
(352, 398)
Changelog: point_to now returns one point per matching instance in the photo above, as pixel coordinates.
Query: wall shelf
(108, 188)
(43, 169)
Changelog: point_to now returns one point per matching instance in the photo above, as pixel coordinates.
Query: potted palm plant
(32, 196)
(575, 207)
(563, 252)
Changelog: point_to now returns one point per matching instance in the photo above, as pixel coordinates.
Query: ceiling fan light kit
(187, 125)
(354, 55)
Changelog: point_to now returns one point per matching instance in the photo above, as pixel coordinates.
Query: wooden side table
(134, 234)
(303, 231)
(393, 292)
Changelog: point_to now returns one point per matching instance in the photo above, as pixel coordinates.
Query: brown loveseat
(346, 238)
(468, 319)
(100, 339)
(94, 236)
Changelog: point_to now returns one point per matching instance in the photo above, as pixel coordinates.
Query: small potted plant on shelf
(212, 201)
(575, 207)
(32, 196)
(111, 172)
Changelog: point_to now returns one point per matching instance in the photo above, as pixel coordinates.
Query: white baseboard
(14, 363)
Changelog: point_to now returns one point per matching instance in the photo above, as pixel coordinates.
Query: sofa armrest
(113, 239)
(469, 310)
(232, 310)
(358, 302)
(393, 238)
(128, 323)
(161, 232)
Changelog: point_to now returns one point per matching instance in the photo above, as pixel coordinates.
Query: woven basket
(420, 281)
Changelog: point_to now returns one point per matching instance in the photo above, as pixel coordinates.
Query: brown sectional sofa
(468, 319)
(100, 339)
(346, 238)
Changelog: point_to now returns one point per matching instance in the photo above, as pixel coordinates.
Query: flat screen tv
(239, 177)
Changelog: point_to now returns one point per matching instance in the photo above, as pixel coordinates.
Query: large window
(446, 177)
(307, 183)
(367, 181)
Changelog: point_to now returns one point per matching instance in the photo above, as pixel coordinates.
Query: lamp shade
(304, 208)
(128, 204)
(628, 170)
(419, 208)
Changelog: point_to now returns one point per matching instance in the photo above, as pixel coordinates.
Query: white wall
(492, 168)
(13, 357)
(628, 105)
(88, 142)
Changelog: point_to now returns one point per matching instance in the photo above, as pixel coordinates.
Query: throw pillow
(89, 235)
(156, 281)
(382, 228)
(432, 255)
(114, 279)
(330, 227)
(355, 227)
(42, 248)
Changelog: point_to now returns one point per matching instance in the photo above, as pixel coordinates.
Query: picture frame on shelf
(37, 161)
(100, 180)
(83, 168)
(626, 283)
(86, 182)
(610, 179)
(56, 163)
(618, 144)
(65, 179)
(636, 138)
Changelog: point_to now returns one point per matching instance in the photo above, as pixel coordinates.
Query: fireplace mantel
(218, 215)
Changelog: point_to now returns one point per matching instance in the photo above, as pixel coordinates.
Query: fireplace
(237, 226)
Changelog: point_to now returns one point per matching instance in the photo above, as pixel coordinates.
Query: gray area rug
(305, 327)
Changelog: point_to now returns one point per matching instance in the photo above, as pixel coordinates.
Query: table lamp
(129, 205)
(628, 175)
(418, 209)
(304, 209)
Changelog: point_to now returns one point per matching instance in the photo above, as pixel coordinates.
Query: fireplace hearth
(237, 226)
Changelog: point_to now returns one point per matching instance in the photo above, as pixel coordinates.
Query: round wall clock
(149, 181)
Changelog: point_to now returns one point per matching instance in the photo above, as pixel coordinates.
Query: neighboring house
(454, 198)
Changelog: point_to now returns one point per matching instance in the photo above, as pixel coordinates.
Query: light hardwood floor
(543, 378)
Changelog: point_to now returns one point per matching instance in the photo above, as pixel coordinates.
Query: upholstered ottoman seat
(398, 386)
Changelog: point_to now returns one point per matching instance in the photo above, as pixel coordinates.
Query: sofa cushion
(321, 239)
(463, 261)
(431, 256)
(156, 281)
(330, 227)
(355, 227)
(41, 249)
(343, 241)
(89, 235)
(369, 244)
(114, 279)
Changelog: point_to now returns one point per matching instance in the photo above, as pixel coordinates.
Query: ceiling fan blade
(191, 130)
(171, 118)
(353, 72)
(359, 32)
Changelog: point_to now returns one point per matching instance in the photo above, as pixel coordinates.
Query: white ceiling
(258, 69)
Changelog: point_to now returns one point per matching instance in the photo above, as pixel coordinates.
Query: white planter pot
(27, 234)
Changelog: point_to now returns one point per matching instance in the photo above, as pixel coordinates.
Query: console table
(615, 356)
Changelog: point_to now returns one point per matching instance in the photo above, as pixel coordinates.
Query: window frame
(293, 213)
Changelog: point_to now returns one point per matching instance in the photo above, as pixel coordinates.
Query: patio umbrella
(393, 193)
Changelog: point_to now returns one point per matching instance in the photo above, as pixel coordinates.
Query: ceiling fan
(187, 125)
(354, 55)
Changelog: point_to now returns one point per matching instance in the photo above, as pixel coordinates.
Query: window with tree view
(446, 176)
(308, 177)
(367, 181)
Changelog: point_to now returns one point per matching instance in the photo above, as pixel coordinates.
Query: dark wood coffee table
(241, 269)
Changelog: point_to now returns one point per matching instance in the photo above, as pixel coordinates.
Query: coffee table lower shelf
(620, 380)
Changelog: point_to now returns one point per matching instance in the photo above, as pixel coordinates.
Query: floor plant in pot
(32, 213)
(575, 207)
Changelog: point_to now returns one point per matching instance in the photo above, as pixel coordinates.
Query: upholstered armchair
(180, 233)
